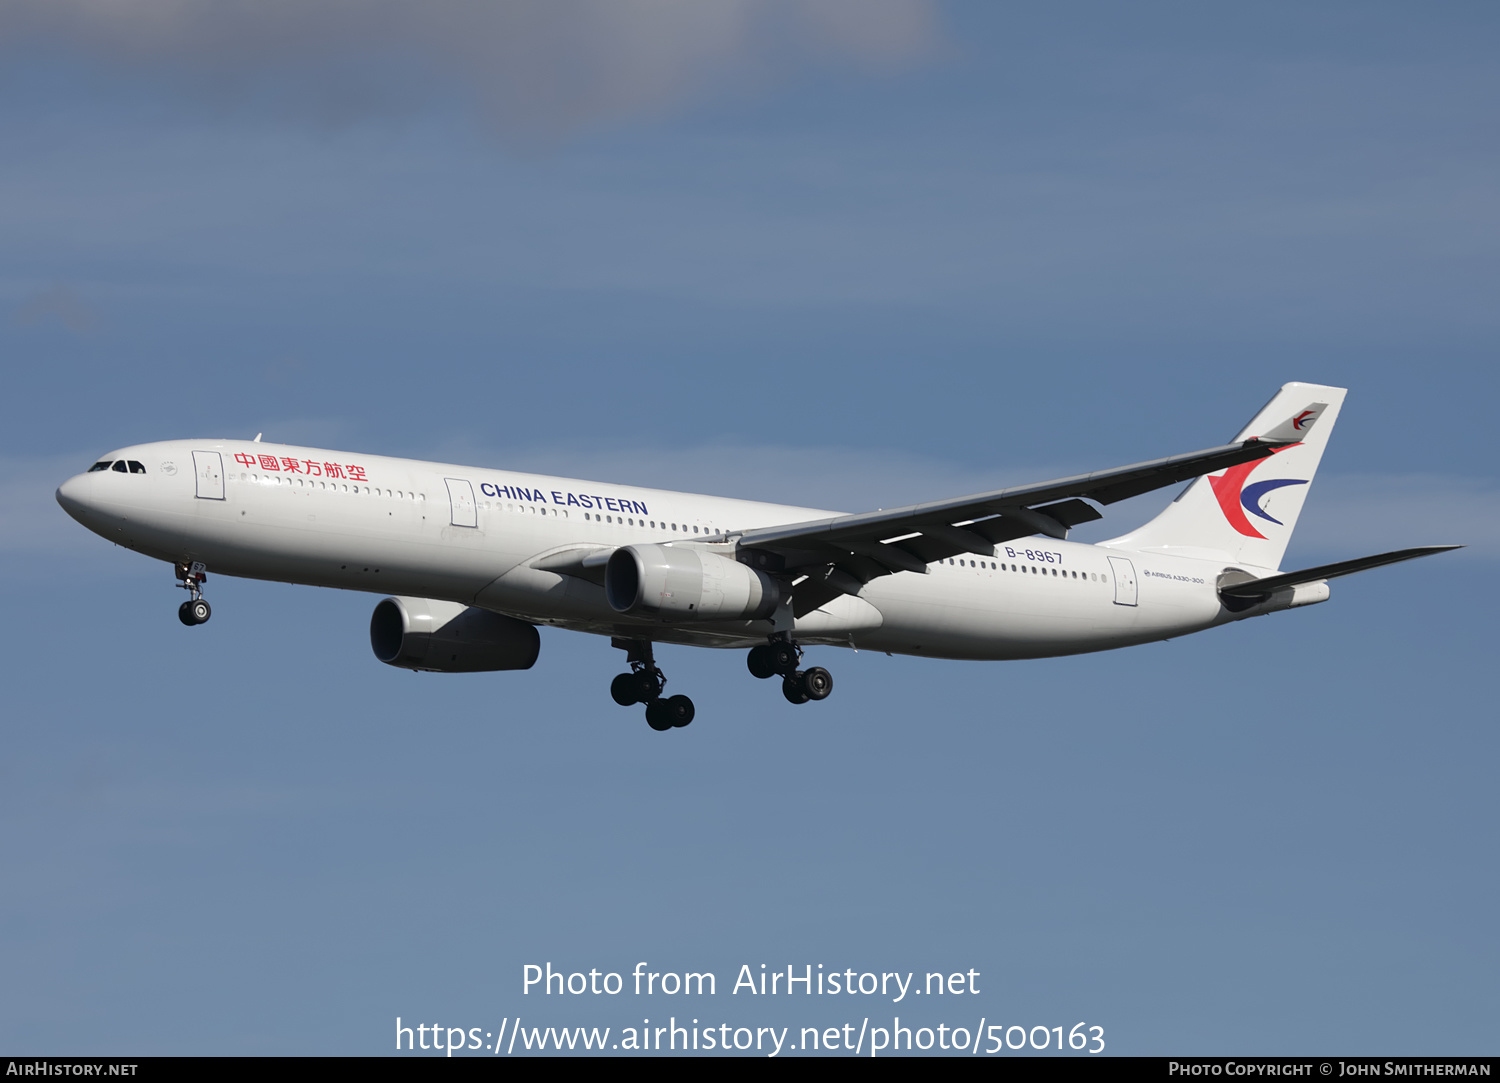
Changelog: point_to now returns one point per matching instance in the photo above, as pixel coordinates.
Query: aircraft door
(208, 466)
(461, 497)
(1124, 580)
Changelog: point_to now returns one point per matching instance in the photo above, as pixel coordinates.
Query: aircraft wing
(841, 554)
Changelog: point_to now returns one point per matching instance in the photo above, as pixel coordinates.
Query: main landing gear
(192, 577)
(644, 683)
(781, 656)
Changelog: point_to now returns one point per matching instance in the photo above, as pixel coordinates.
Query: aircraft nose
(73, 496)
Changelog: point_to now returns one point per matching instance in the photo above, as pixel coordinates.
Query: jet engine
(449, 637)
(683, 584)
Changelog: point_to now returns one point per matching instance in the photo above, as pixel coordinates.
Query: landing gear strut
(644, 683)
(780, 656)
(191, 578)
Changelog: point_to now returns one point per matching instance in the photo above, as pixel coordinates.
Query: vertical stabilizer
(1246, 514)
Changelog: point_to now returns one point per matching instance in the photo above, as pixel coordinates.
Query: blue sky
(832, 254)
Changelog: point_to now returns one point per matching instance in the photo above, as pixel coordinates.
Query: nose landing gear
(191, 578)
(644, 683)
(780, 656)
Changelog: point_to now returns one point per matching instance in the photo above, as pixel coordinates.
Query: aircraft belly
(1012, 616)
(843, 620)
(549, 597)
(969, 631)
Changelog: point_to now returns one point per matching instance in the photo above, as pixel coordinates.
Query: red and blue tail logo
(1235, 497)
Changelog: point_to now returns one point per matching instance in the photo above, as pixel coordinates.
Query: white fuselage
(471, 535)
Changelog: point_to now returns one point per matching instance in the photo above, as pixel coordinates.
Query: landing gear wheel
(623, 690)
(643, 684)
(679, 710)
(658, 714)
(761, 662)
(784, 658)
(190, 577)
(817, 682)
(647, 685)
(793, 689)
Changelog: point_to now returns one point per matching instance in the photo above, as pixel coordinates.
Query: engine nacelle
(449, 637)
(686, 584)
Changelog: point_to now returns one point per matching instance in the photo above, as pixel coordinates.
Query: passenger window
(98, 466)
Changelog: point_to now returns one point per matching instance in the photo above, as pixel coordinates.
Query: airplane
(474, 559)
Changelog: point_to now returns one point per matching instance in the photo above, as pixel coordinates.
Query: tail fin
(1246, 514)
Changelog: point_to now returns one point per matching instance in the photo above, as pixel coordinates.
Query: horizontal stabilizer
(1258, 588)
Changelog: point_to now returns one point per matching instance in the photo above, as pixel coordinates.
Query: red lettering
(333, 470)
(290, 465)
(357, 473)
(268, 462)
(315, 469)
(245, 460)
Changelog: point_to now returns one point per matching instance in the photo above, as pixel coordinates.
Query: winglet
(1295, 428)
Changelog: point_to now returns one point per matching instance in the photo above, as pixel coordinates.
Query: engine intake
(686, 585)
(449, 637)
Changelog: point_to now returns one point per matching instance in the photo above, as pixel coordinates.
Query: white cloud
(535, 66)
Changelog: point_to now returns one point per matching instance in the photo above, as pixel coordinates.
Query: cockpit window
(136, 467)
(120, 467)
(99, 466)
